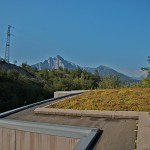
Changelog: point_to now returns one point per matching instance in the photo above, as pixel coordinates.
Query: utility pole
(7, 44)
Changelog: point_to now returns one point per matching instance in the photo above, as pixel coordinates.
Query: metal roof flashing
(7, 113)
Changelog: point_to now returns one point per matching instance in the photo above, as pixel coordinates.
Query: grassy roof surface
(126, 99)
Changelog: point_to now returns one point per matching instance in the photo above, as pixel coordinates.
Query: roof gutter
(7, 113)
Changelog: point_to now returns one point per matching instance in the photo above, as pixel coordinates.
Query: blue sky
(115, 33)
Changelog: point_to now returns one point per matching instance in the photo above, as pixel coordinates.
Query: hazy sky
(115, 33)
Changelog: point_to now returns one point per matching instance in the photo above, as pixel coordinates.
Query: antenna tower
(7, 44)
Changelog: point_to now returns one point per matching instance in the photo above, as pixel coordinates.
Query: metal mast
(7, 44)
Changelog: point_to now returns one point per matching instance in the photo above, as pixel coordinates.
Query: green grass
(126, 99)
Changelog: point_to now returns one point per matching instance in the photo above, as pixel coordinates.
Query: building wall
(23, 140)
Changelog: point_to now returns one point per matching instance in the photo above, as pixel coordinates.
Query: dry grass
(134, 99)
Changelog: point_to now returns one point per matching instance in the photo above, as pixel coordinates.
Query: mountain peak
(55, 63)
(59, 57)
(102, 66)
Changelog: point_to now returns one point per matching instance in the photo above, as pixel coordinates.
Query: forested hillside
(17, 89)
(77, 79)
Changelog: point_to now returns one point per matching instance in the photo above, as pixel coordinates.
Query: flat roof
(118, 134)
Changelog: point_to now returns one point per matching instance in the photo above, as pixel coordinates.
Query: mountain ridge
(58, 61)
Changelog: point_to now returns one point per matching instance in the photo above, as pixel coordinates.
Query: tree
(28, 68)
(146, 82)
(3, 73)
(109, 82)
(13, 74)
(44, 74)
(15, 62)
(147, 69)
(77, 72)
(96, 78)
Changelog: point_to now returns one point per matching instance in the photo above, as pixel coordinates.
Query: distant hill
(58, 61)
(104, 71)
(7, 66)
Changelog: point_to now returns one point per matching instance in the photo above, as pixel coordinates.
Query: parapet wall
(64, 93)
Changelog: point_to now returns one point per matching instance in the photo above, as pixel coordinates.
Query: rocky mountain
(55, 63)
(58, 61)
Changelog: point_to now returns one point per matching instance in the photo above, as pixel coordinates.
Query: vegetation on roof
(125, 99)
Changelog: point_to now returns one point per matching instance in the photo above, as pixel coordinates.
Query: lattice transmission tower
(7, 50)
